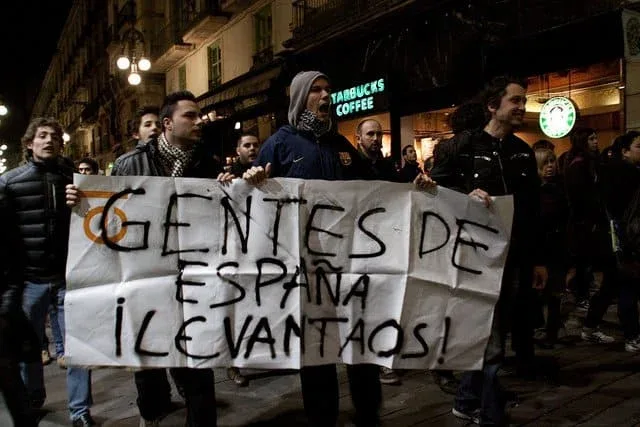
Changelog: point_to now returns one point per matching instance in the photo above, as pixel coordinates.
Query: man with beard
(411, 168)
(486, 162)
(369, 138)
(176, 152)
(247, 149)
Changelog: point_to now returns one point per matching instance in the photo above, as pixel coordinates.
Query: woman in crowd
(553, 211)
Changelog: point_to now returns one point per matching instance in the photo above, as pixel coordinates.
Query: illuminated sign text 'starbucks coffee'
(360, 98)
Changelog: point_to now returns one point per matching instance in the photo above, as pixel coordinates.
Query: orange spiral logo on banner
(98, 211)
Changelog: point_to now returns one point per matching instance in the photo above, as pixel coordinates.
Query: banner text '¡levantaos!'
(232, 219)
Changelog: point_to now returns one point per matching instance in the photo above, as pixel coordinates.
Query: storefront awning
(240, 88)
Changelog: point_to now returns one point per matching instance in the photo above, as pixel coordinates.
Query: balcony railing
(198, 19)
(165, 38)
(193, 11)
(167, 47)
(311, 17)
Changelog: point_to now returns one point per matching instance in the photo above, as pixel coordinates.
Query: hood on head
(298, 92)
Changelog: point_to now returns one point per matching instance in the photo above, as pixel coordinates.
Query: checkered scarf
(174, 159)
(308, 121)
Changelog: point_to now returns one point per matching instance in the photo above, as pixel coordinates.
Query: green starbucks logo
(557, 117)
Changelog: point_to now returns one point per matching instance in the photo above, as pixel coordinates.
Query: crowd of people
(574, 215)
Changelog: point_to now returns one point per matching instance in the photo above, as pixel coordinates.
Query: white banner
(187, 272)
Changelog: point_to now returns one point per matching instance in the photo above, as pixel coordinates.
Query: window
(215, 65)
(263, 29)
(182, 77)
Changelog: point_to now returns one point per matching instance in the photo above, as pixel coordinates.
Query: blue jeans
(56, 332)
(35, 303)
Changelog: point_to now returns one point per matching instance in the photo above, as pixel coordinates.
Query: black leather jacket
(144, 161)
(34, 194)
(475, 159)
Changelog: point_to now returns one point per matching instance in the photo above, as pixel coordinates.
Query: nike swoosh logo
(297, 160)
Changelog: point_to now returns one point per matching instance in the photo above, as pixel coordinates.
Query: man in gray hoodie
(308, 148)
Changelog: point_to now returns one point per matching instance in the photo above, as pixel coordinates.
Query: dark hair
(496, 88)
(543, 144)
(246, 134)
(170, 102)
(580, 140)
(623, 142)
(468, 116)
(92, 163)
(36, 123)
(405, 148)
(147, 109)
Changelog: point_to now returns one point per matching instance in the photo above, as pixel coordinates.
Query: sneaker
(632, 345)
(473, 417)
(46, 357)
(446, 381)
(238, 379)
(595, 336)
(149, 423)
(85, 420)
(61, 362)
(388, 376)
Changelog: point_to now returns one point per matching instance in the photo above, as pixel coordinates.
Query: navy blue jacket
(298, 154)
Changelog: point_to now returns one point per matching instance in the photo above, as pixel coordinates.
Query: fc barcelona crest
(345, 158)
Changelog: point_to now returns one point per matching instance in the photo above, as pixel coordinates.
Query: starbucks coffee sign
(363, 98)
(557, 117)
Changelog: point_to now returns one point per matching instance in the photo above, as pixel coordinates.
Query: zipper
(504, 183)
(53, 196)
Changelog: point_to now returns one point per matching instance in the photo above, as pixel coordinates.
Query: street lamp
(66, 137)
(3, 110)
(132, 44)
(3, 147)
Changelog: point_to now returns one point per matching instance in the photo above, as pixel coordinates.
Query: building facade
(408, 63)
(85, 90)
(432, 55)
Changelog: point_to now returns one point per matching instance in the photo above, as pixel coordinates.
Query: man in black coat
(492, 161)
(35, 196)
(176, 152)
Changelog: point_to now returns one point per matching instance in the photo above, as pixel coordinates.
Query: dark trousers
(551, 297)
(154, 396)
(514, 312)
(320, 394)
(15, 394)
(615, 284)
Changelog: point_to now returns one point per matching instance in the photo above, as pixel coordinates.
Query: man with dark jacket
(307, 148)
(369, 140)
(176, 152)
(411, 168)
(35, 194)
(491, 162)
(247, 150)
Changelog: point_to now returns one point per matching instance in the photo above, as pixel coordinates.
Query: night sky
(29, 32)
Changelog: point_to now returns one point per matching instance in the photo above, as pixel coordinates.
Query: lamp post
(132, 56)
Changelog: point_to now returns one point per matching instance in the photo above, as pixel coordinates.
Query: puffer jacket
(35, 193)
(299, 154)
(475, 159)
(144, 161)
